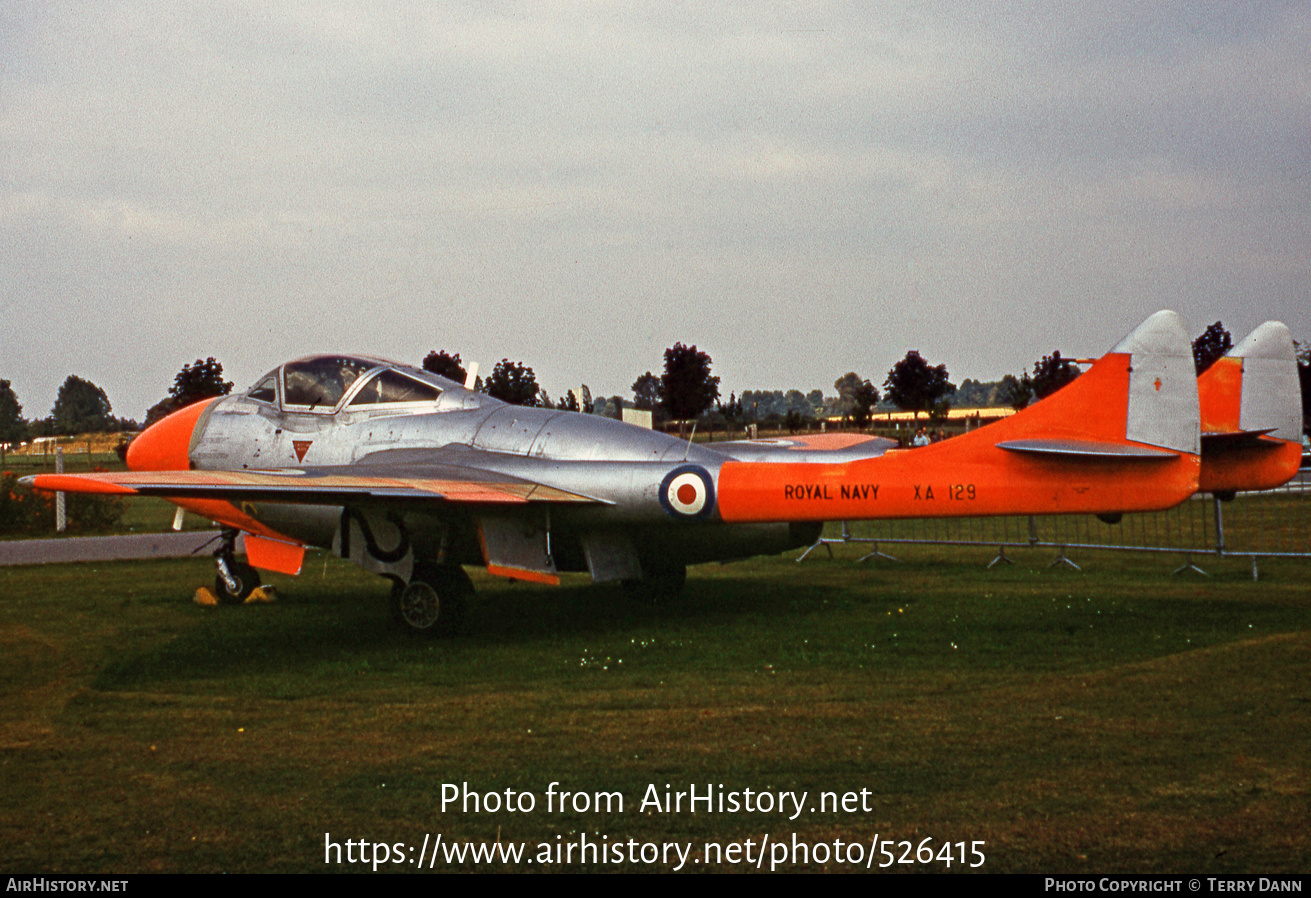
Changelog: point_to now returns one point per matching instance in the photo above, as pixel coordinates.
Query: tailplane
(1124, 436)
(1139, 401)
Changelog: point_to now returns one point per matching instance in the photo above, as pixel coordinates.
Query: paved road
(105, 548)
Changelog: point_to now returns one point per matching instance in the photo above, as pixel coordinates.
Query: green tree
(195, 382)
(796, 401)
(847, 385)
(13, 429)
(1050, 373)
(1213, 343)
(913, 385)
(856, 398)
(1017, 392)
(445, 365)
(687, 387)
(646, 392)
(865, 397)
(731, 410)
(973, 393)
(81, 407)
(513, 382)
(816, 400)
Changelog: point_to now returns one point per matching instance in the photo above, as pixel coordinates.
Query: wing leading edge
(310, 486)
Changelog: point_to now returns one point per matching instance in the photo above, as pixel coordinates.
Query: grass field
(1115, 719)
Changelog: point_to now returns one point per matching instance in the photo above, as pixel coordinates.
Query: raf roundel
(688, 492)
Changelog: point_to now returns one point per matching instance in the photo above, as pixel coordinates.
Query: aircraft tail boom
(1122, 437)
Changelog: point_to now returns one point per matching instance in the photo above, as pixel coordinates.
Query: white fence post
(61, 518)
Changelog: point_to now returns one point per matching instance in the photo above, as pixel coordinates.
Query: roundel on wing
(688, 492)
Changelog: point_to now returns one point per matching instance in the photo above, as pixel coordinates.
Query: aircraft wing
(317, 486)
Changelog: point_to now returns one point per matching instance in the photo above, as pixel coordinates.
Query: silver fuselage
(618, 465)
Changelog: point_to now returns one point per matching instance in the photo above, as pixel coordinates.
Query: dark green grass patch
(1117, 718)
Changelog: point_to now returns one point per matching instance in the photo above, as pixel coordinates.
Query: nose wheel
(434, 601)
(234, 580)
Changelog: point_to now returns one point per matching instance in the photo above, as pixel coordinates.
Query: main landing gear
(434, 601)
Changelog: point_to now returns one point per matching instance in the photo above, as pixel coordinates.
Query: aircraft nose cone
(166, 445)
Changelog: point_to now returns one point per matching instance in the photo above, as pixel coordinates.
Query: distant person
(921, 438)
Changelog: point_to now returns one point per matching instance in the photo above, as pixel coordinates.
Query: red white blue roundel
(688, 492)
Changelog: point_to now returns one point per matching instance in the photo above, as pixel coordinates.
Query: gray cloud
(800, 190)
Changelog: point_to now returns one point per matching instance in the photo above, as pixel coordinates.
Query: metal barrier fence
(1269, 524)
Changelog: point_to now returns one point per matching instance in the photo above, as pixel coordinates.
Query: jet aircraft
(414, 476)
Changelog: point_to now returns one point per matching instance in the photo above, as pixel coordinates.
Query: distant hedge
(31, 513)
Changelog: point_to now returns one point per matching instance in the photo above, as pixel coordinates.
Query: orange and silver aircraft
(413, 476)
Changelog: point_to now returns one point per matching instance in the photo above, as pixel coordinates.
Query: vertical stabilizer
(1163, 409)
(1272, 395)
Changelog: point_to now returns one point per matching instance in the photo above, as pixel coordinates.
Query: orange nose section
(165, 445)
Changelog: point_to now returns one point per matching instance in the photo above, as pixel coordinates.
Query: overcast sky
(800, 189)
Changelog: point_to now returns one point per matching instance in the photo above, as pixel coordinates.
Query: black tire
(433, 603)
(245, 578)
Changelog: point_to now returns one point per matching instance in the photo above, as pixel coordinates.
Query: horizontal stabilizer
(1087, 449)
(1235, 439)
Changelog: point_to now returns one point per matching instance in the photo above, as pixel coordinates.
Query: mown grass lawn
(1114, 719)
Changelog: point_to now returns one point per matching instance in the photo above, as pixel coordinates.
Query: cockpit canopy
(324, 383)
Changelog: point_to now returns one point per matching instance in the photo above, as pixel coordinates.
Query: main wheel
(433, 602)
(240, 582)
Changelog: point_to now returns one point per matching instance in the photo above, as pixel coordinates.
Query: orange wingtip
(73, 483)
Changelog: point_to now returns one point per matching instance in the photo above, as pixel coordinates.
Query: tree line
(684, 392)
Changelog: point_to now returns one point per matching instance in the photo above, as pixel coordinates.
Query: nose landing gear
(234, 580)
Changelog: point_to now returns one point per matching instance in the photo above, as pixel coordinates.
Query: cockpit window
(266, 390)
(319, 383)
(391, 386)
